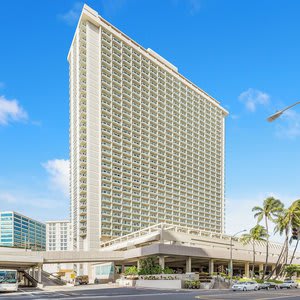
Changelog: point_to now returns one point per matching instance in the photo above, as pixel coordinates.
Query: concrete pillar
(122, 268)
(230, 268)
(188, 265)
(273, 269)
(261, 268)
(39, 279)
(138, 264)
(161, 261)
(90, 273)
(211, 266)
(247, 273)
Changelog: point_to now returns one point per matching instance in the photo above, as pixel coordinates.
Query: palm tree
(297, 243)
(269, 211)
(282, 227)
(256, 234)
(286, 220)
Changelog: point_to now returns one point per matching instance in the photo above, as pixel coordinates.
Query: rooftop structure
(19, 231)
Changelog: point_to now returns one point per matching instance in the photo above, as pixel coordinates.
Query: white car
(245, 286)
(287, 284)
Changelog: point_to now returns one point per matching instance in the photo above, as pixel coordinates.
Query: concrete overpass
(170, 243)
(19, 259)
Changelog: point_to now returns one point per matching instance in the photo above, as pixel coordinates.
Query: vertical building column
(161, 261)
(138, 264)
(230, 268)
(39, 279)
(188, 264)
(122, 268)
(261, 268)
(247, 273)
(211, 266)
(273, 269)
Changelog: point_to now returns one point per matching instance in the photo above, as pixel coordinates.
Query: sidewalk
(80, 287)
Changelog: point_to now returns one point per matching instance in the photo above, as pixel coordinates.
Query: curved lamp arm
(280, 112)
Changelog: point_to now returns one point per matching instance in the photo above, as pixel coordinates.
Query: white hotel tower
(146, 144)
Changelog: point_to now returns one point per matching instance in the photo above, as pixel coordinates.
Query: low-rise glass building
(20, 231)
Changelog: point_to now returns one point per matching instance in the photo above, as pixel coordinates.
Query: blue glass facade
(19, 231)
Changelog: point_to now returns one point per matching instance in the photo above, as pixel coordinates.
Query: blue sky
(243, 53)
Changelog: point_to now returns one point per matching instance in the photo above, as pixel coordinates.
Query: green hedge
(192, 284)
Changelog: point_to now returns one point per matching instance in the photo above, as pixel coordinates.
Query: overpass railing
(180, 229)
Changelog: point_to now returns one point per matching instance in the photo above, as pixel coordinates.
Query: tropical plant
(290, 270)
(285, 221)
(168, 270)
(131, 271)
(294, 252)
(269, 211)
(148, 266)
(192, 284)
(295, 210)
(256, 234)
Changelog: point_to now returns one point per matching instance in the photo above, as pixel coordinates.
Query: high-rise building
(58, 235)
(58, 238)
(146, 144)
(19, 231)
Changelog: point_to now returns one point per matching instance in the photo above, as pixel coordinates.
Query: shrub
(131, 271)
(168, 271)
(156, 269)
(148, 266)
(259, 280)
(292, 269)
(244, 279)
(192, 284)
(275, 281)
(157, 277)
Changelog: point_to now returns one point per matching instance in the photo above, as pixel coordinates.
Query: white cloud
(11, 111)
(239, 213)
(234, 117)
(253, 98)
(71, 17)
(58, 169)
(7, 197)
(40, 199)
(33, 204)
(289, 125)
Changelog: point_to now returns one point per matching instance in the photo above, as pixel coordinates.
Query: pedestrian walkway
(220, 284)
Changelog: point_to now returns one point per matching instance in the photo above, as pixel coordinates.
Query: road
(151, 294)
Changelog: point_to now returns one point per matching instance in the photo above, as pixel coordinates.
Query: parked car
(84, 279)
(287, 284)
(245, 286)
(268, 285)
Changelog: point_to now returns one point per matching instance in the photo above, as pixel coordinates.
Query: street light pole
(25, 242)
(280, 112)
(231, 264)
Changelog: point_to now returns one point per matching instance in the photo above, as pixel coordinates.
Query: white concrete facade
(58, 238)
(146, 144)
(58, 235)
